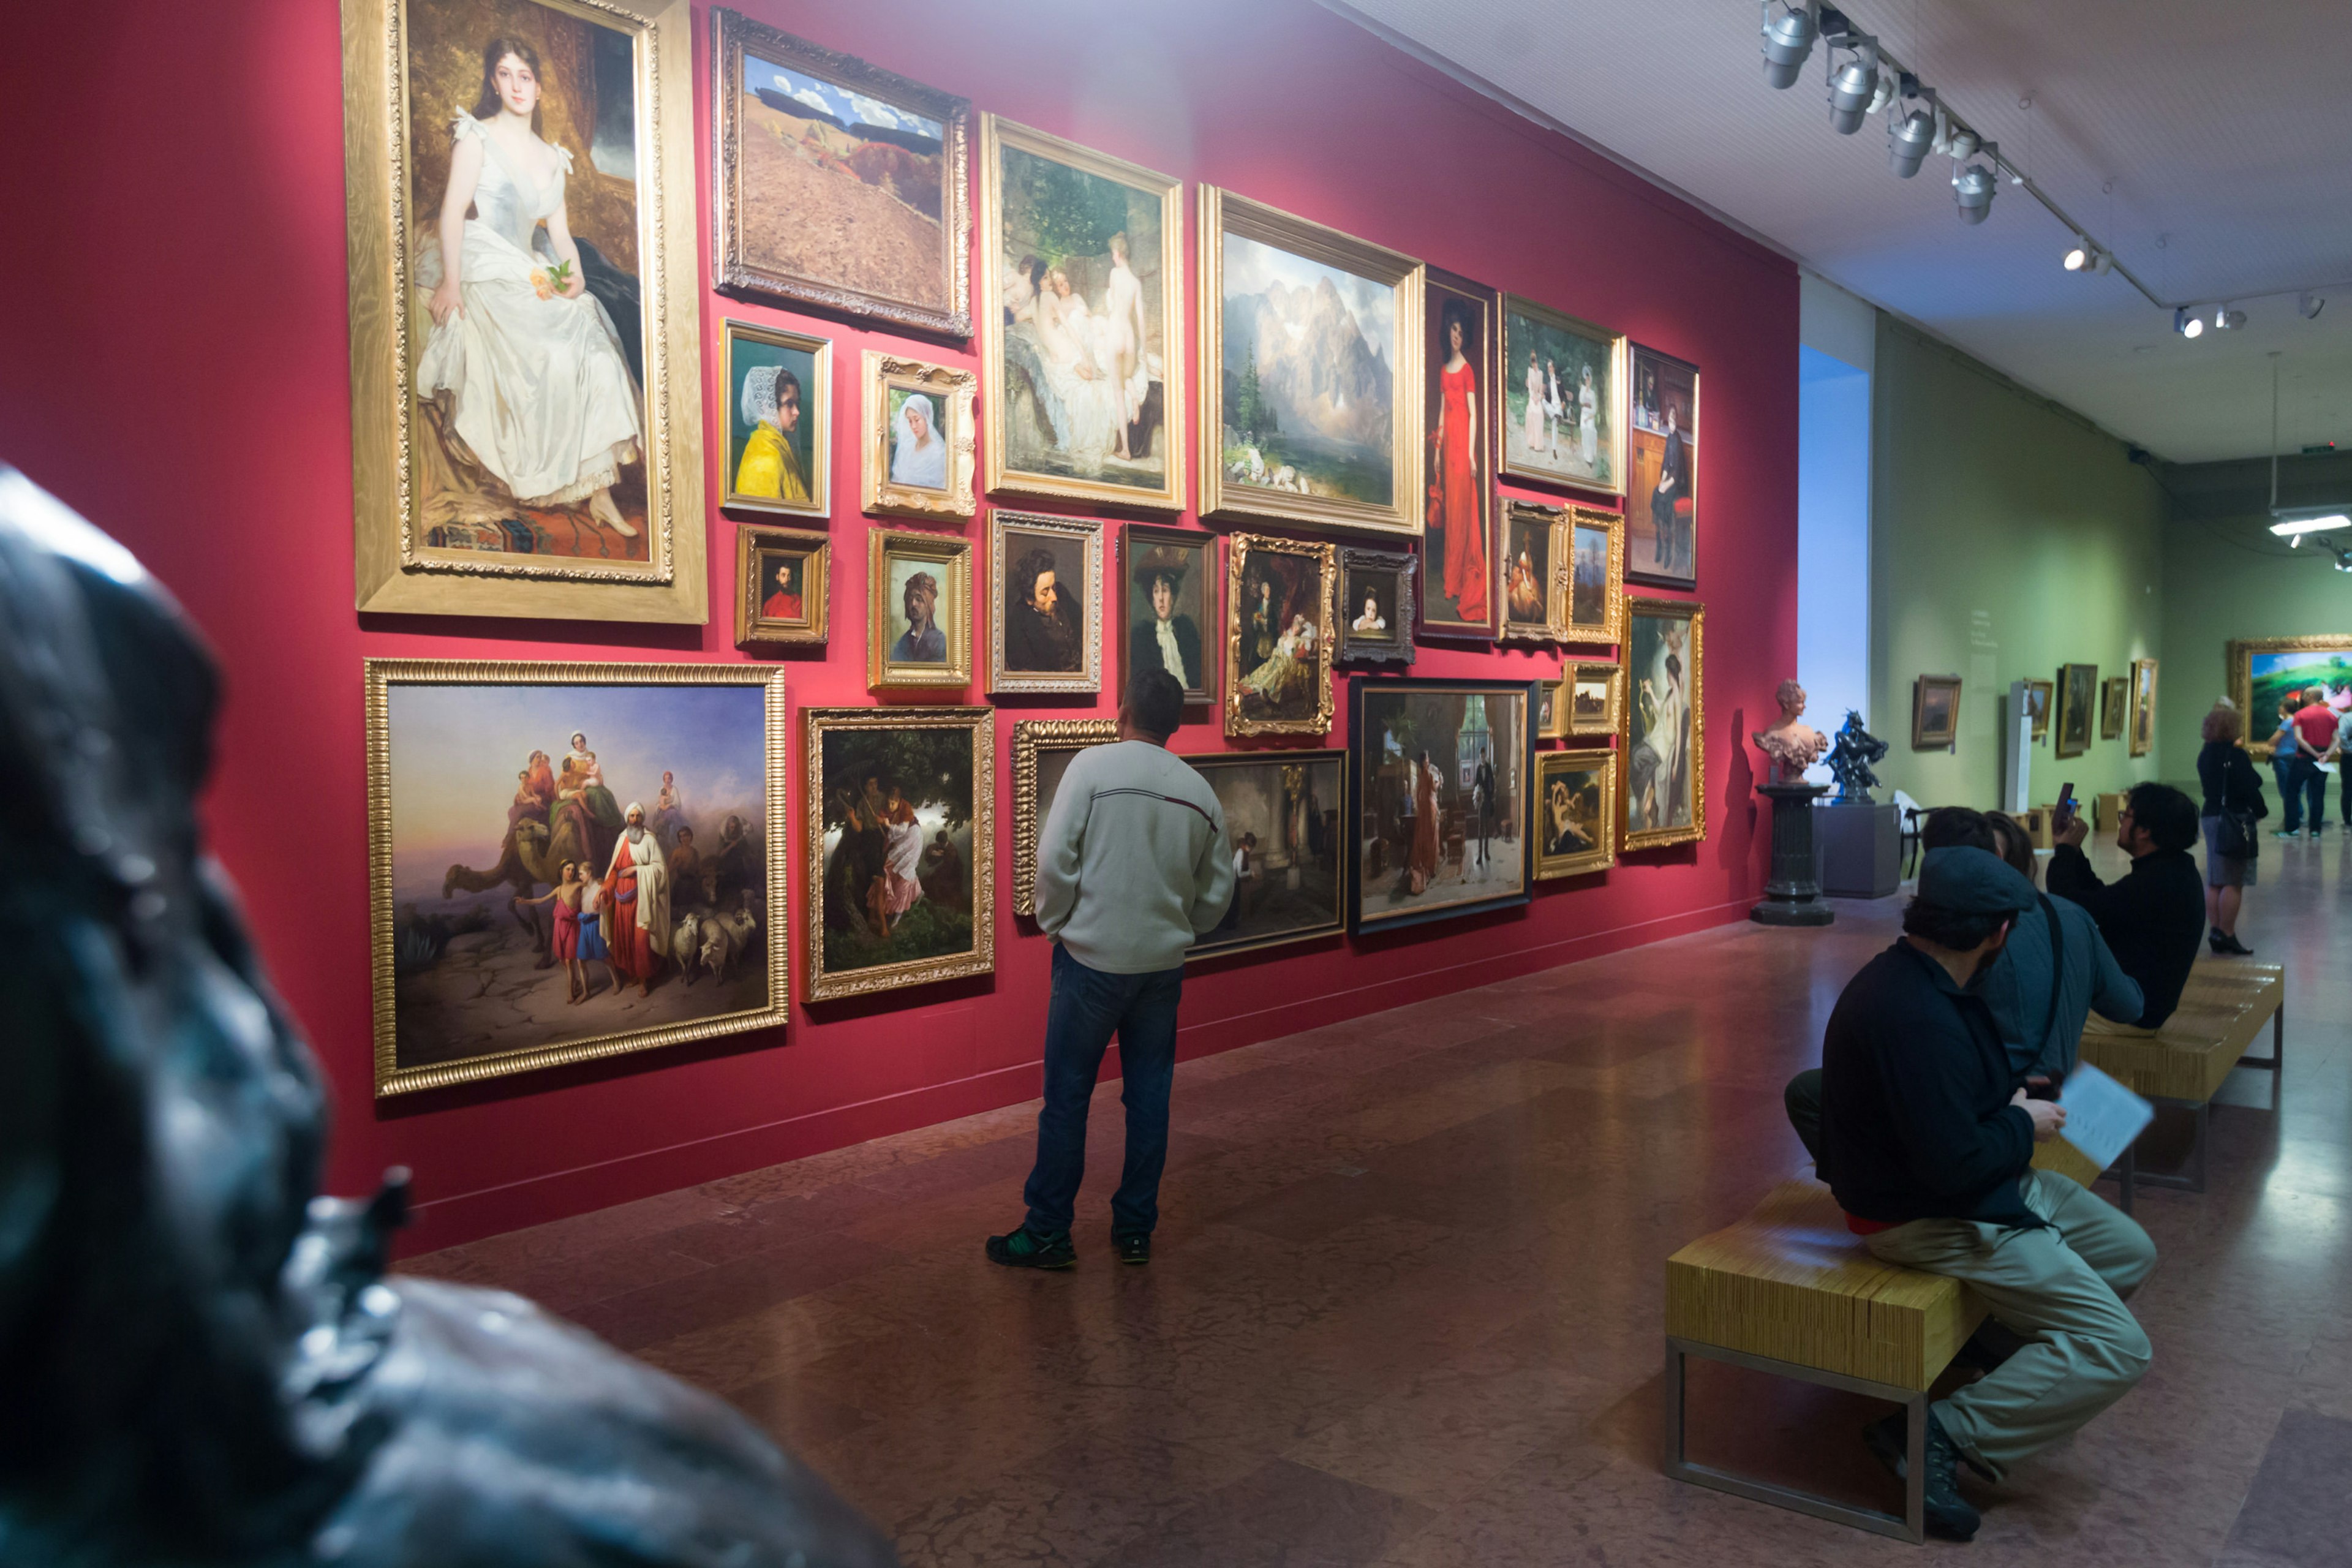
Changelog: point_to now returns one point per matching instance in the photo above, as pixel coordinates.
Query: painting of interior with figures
(1440, 797)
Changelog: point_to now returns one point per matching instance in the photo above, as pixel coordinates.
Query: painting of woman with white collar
(529, 387)
(779, 431)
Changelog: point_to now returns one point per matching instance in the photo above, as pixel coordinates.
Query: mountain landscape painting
(1309, 383)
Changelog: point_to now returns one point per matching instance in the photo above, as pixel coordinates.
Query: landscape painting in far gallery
(2267, 672)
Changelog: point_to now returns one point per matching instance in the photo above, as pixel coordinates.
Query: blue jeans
(1087, 1009)
(2306, 783)
(2283, 770)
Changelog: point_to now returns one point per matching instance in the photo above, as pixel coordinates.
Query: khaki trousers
(2059, 1288)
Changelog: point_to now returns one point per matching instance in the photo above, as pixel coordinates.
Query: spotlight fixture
(2084, 257)
(1854, 84)
(2187, 323)
(1962, 143)
(2295, 528)
(2309, 306)
(1788, 40)
(1910, 137)
(1973, 188)
(2225, 320)
(2079, 258)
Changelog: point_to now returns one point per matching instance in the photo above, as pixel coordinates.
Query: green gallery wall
(2008, 536)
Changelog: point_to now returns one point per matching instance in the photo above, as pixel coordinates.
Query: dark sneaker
(1949, 1515)
(1132, 1246)
(1027, 1248)
(2286, 833)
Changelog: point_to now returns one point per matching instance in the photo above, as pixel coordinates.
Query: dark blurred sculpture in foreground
(202, 1362)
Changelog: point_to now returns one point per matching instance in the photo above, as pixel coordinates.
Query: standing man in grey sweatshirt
(1133, 865)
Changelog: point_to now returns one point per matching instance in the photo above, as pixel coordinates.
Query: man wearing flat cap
(1929, 1151)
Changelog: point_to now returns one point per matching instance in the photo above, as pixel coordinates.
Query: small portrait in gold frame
(2037, 702)
(1592, 575)
(1534, 603)
(2143, 707)
(1576, 812)
(1045, 593)
(1593, 699)
(917, 441)
(2115, 696)
(783, 586)
(777, 401)
(918, 610)
(1042, 750)
(1277, 636)
(1935, 710)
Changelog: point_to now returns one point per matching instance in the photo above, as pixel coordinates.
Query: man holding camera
(2154, 919)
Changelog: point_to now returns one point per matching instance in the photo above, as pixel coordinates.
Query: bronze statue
(1850, 761)
(204, 1363)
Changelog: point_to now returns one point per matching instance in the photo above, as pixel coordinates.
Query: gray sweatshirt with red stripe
(1132, 862)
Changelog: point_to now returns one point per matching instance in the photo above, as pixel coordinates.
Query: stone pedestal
(1861, 850)
(1794, 895)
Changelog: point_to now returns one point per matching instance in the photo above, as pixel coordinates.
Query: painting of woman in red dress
(1459, 560)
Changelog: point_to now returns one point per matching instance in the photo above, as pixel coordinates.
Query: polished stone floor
(1405, 1308)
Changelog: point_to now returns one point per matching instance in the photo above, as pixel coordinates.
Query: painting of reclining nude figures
(901, 847)
(1438, 798)
(1282, 825)
(570, 860)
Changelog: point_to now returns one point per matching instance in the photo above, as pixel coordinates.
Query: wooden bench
(2222, 1011)
(1790, 1291)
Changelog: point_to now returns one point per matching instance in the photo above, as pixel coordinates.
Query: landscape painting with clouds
(1309, 382)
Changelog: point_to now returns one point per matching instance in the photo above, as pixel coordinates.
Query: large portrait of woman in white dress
(532, 284)
(1081, 271)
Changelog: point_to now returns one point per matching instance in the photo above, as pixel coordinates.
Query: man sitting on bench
(1929, 1151)
(2153, 918)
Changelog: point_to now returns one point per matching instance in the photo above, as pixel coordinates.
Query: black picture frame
(1366, 647)
(1368, 793)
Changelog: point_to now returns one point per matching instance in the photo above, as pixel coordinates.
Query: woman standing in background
(2232, 787)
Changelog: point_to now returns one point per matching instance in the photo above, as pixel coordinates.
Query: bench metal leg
(2275, 1061)
(2127, 1168)
(1911, 1525)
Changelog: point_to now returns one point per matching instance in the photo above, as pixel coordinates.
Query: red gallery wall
(175, 362)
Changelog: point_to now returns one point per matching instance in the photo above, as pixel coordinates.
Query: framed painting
(898, 804)
(836, 184)
(1534, 537)
(1595, 690)
(1438, 773)
(1282, 823)
(1562, 409)
(778, 398)
(1594, 572)
(1551, 709)
(1576, 812)
(1458, 380)
(1662, 474)
(1310, 346)
(526, 375)
(1045, 587)
(568, 861)
(2114, 697)
(1081, 325)
(2143, 707)
(1168, 600)
(918, 610)
(1277, 637)
(783, 586)
(1935, 711)
(1375, 610)
(917, 446)
(2263, 672)
(2078, 686)
(1042, 748)
(2037, 702)
(1666, 723)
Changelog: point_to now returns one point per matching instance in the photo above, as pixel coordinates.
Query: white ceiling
(2224, 130)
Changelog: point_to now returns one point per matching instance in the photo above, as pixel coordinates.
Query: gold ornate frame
(732, 35)
(995, 136)
(1601, 859)
(1030, 736)
(1553, 628)
(1618, 401)
(1239, 548)
(1614, 719)
(1690, 438)
(2061, 710)
(1134, 538)
(817, 985)
(2048, 690)
(753, 630)
(2115, 696)
(1921, 738)
(396, 571)
(817, 407)
(1089, 678)
(954, 557)
(2143, 737)
(1209, 764)
(2238, 675)
(380, 675)
(1222, 496)
(1368, 648)
(1610, 629)
(1630, 837)
(952, 391)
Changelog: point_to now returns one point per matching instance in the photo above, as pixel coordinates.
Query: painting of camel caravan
(570, 861)
(839, 184)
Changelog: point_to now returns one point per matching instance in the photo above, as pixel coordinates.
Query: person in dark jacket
(1929, 1148)
(2155, 916)
(2231, 786)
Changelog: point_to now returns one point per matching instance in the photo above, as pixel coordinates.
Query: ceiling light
(1973, 188)
(1851, 86)
(2295, 528)
(1788, 40)
(1963, 143)
(2187, 323)
(1884, 95)
(2309, 306)
(2228, 321)
(2079, 258)
(1907, 140)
